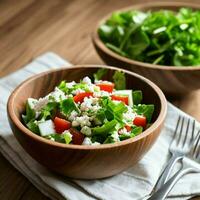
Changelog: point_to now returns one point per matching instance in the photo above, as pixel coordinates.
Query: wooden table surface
(29, 28)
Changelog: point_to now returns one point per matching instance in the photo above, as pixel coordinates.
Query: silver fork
(190, 164)
(180, 146)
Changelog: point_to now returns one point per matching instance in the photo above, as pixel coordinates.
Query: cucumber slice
(46, 127)
(125, 93)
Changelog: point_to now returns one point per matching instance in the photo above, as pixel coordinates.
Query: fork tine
(193, 130)
(186, 133)
(196, 149)
(181, 131)
(176, 129)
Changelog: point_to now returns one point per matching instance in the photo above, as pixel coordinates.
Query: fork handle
(162, 193)
(166, 172)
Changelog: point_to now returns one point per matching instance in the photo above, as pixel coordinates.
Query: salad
(161, 37)
(89, 112)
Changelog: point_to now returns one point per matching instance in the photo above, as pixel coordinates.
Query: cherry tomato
(77, 137)
(140, 121)
(80, 97)
(123, 99)
(108, 87)
(61, 125)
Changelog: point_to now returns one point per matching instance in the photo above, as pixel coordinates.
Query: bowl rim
(17, 122)
(98, 42)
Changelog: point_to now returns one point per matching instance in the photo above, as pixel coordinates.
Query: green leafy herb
(146, 110)
(63, 86)
(100, 73)
(161, 37)
(32, 125)
(48, 110)
(136, 130)
(30, 113)
(104, 129)
(56, 137)
(137, 97)
(67, 106)
(119, 80)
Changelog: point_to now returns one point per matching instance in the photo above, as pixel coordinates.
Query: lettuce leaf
(100, 73)
(68, 105)
(137, 97)
(146, 110)
(119, 80)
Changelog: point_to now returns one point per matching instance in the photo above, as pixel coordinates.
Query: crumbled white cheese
(87, 80)
(73, 115)
(102, 82)
(86, 130)
(81, 121)
(87, 141)
(77, 91)
(71, 84)
(101, 94)
(75, 123)
(129, 116)
(41, 103)
(115, 136)
(57, 94)
(90, 104)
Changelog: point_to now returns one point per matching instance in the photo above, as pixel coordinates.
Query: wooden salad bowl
(79, 161)
(174, 81)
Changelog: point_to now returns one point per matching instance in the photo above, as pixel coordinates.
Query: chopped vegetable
(119, 80)
(161, 37)
(61, 125)
(80, 97)
(87, 113)
(77, 137)
(108, 87)
(123, 99)
(100, 73)
(140, 121)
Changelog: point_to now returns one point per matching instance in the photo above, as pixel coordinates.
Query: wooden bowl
(78, 161)
(174, 81)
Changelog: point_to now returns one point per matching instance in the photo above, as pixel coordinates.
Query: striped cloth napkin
(133, 184)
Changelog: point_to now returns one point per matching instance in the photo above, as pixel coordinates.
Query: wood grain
(79, 161)
(66, 40)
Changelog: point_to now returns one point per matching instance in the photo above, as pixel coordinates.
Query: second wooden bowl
(174, 81)
(79, 161)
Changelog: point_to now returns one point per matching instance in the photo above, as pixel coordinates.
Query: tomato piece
(77, 137)
(80, 97)
(123, 99)
(127, 127)
(140, 121)
(108, 87)
(61, 125)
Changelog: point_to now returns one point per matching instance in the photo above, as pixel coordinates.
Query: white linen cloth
(132, 184)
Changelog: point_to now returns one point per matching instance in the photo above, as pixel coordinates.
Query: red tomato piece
(108, 87)
(127, 127)
(80, 97)
(123, 99)
(77, 137)
(61, 125)
(140, 121)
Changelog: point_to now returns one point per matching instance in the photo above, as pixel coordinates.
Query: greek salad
(93, 111)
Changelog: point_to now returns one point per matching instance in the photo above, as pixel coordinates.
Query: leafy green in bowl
(162, 37)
